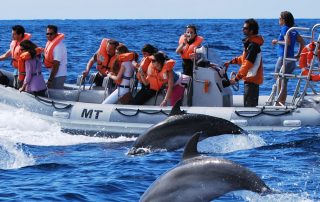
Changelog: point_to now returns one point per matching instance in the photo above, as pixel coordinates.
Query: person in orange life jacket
(251, 70)
(122, 77)
(18, 35)
(286, 21)
(158, 74)
(147, 51)
(187, 44)
(104, 57)
(306, 57)
(55, 58)
(34, 82)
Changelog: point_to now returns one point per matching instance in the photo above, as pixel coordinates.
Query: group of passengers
(25, 57)
(155, 71)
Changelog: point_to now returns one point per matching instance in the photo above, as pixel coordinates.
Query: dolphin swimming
(202, 178)
(174, 132)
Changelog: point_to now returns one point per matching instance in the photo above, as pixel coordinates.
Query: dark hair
(252, 25)
(122, 49)
(136, 56)
(160, 57)
(148, 48)
(288, 18)
(116, 65)
(29, 47)
(19, 29)
(113, 43)
(53, 27)
(192, 27)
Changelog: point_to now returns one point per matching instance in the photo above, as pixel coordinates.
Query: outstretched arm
(6, 55)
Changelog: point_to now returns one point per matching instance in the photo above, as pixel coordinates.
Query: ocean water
(40, 163)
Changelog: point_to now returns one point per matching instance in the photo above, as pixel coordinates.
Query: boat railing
(308, 83)
(274, 97)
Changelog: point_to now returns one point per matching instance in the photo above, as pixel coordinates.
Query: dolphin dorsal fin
(190, 150)
(176, 108)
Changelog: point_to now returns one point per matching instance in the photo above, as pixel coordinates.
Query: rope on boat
(142, 111)
(53, 103)
(262, 111)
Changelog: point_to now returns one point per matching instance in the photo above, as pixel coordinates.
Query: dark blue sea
(38, 162)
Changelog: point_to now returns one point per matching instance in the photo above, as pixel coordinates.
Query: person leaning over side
(286, 21)
(159, 74)
(55, 58)
(18, 35)
(251, 69)
(187, 44)
(30, 61)
(105, 58)
(122, 76)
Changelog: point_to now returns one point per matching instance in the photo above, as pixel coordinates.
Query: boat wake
(19, 127)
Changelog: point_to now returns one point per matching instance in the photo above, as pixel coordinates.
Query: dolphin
(202, 178)
(174, 132)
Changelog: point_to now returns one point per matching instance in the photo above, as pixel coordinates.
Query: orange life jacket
(124, 57)
(15, 49)
(144, 64)
(158, 78)
(21, 63)
(189, 48)
(104, 62)
(306, 57)
(48, 50)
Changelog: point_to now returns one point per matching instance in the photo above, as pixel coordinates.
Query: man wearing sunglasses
(18, 35)
(55, 58)
(251, 68)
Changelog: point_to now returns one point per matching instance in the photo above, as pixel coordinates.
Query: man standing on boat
(105, 58)
(55, 58)
(18, 35)
(251, 70)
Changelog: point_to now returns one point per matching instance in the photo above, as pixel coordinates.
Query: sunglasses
(50, 33)
(245, 28)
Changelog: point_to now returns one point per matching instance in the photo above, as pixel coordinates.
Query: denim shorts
(290, 66)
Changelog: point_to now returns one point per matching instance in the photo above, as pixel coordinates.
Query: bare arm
(169, 90)
(89, 65)
(55, 68)
(181, 46)
(119, 75)
(6, 55)
(143, 77)
(302, 44)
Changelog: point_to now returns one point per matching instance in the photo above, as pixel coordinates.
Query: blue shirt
(293, 38)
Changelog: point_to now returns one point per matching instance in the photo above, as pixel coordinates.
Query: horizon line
(154, 19)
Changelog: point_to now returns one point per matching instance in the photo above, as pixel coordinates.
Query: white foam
(296, 197)
(20, 126)
(230, 143)
(13, 157)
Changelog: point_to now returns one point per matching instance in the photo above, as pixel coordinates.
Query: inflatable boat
(78, 108)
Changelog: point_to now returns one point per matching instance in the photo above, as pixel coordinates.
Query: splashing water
(13, 157)
(28, 128)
